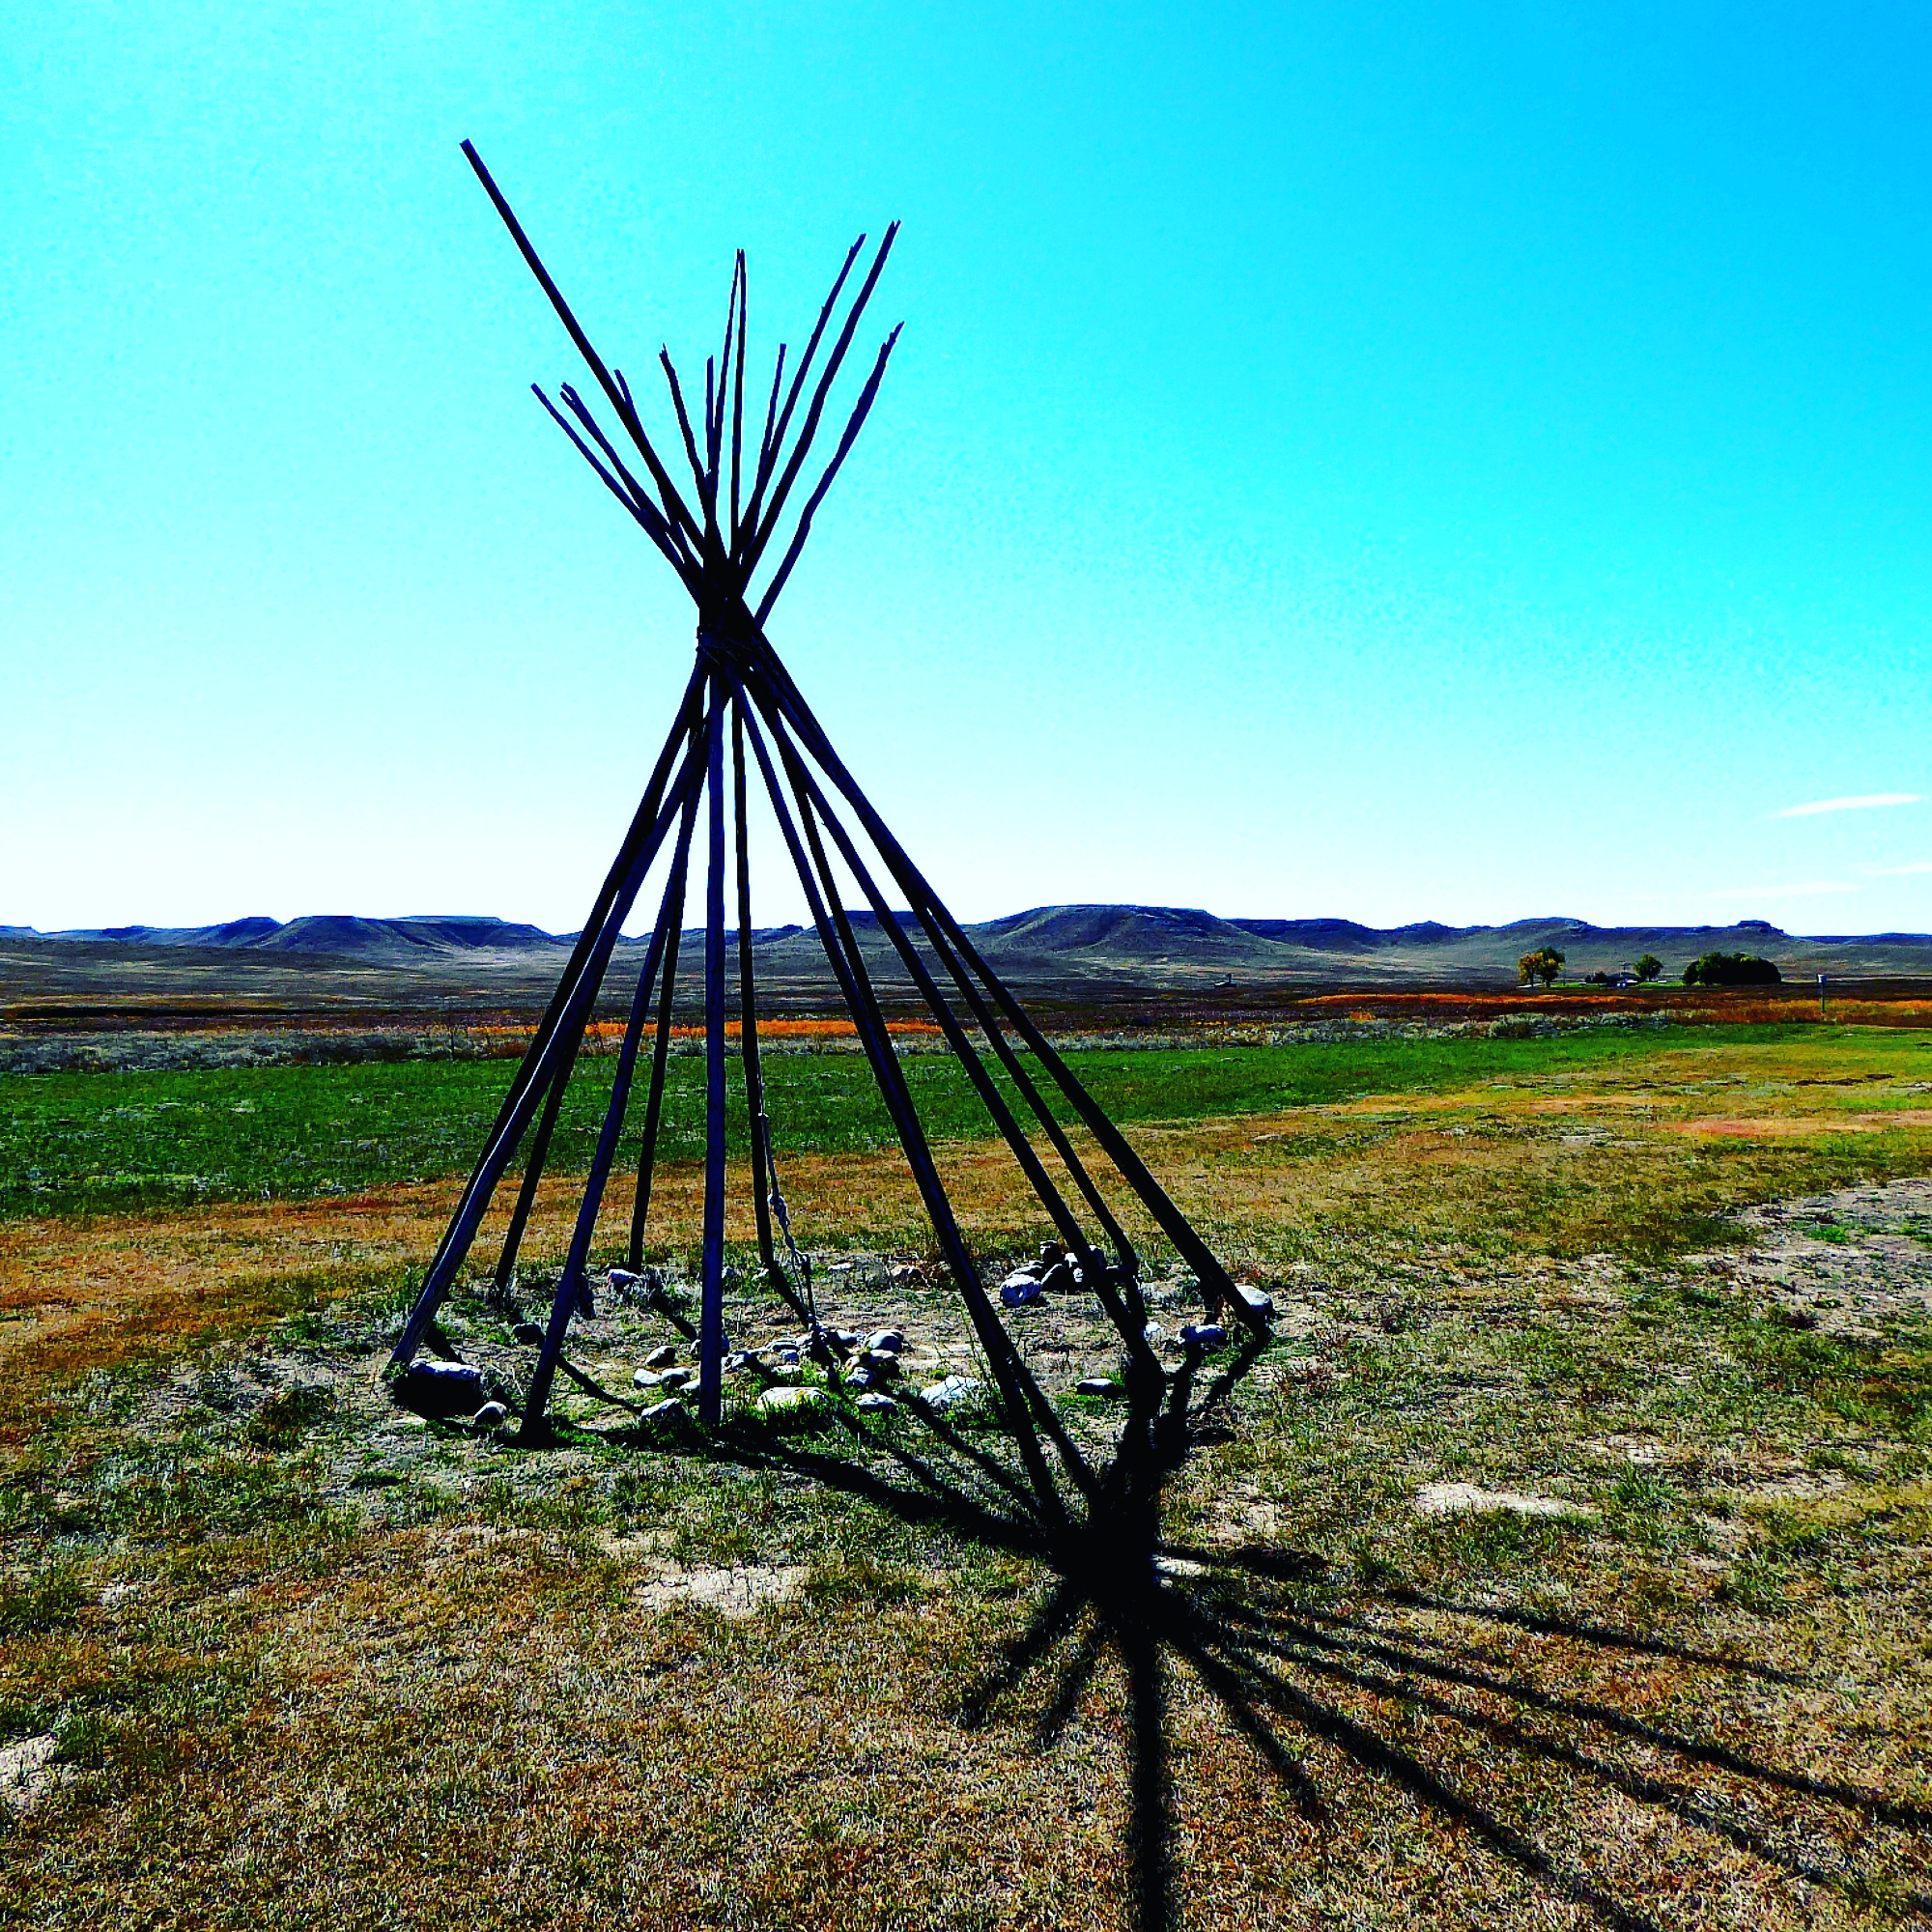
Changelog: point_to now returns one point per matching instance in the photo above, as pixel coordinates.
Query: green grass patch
(109, 1142)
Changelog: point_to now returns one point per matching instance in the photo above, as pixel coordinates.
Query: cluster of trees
(1731, 969)
(1547, 963)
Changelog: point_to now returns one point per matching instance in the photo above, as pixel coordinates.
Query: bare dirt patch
(1761, 1127)
(28, 1771)
(1452, 1499)
(740, 1590)
(1845, 1263)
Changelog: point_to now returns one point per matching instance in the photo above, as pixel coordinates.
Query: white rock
(875, 1403)
(663, 1412)
(1257, 1298)
(646, 1379)
(804, 1407)
(661, 1358)
(433, 1387)
(887, 1342)
(676, 1378)
(950, 1392)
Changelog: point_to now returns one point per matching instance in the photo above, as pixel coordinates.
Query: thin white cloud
(1808, 889)
(1864, 803)
(1896, 871)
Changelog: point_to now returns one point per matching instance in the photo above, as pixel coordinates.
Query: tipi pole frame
(1174, 1224)
(1133, 1337)
(1003, 1351)
(548, 1058)
(648, 1146)
(571, 1282)
(526, 1191)
(938, 924)
(748, 1006)
(717, 543)
(711, 1304)
(995, 1342)
(529, 1067)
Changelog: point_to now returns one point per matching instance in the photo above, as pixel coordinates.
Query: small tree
(1544, 964)
(1648, 968)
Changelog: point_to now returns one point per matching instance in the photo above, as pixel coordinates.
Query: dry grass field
(1563, 1561)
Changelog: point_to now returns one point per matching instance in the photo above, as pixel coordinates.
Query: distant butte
(1080, 942)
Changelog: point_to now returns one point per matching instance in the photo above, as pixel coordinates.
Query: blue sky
(1414, 462)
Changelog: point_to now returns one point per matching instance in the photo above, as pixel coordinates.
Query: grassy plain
(303, 1667)
(98, 1142)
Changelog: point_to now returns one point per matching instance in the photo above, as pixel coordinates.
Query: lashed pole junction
(740, 697)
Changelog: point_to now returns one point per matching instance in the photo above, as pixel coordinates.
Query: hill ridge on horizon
(489, 928)
(1084, 940)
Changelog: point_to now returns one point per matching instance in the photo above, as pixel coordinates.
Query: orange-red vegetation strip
(821, 1029)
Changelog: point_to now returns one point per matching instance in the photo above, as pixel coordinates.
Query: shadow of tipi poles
(1264, 1666)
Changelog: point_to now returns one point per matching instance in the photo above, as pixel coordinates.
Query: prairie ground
(1563, 1559)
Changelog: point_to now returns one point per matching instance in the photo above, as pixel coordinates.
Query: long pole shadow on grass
(1309, 1685)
